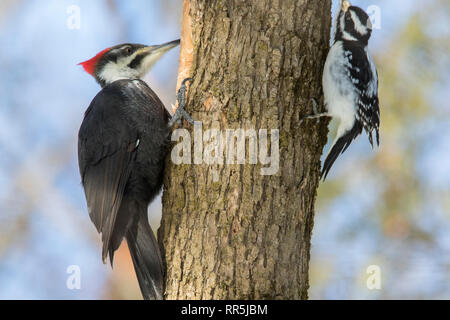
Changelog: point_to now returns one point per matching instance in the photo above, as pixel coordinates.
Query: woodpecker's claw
(316, 114)
(181, 113)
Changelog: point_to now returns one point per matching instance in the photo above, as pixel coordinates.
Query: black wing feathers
(106, 152)
(365, 80)
(104, 185)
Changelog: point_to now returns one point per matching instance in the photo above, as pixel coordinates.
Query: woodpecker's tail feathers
(370, 134)
(146, 256)
(338, 147)
(378, 136)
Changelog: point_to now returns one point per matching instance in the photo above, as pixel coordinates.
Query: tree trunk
(228, 231)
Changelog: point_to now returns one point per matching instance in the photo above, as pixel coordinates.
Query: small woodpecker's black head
(125, 61)
(352, 24)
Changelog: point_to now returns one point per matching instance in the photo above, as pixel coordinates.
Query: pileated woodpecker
(122, 145)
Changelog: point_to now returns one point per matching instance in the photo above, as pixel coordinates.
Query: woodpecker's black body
(121, 149)
(122, 145)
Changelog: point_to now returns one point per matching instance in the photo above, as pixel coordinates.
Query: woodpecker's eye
(128, 50)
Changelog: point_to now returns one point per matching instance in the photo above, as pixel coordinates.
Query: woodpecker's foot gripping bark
(181, 113)
(316, 114)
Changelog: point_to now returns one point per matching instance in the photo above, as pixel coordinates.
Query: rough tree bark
(228, 232)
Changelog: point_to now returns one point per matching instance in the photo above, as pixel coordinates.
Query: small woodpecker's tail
(340, 144)
(146, 257)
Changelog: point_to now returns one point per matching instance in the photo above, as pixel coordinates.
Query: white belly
(337, 88)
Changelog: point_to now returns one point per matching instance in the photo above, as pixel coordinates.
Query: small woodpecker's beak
(369, 24)
(159, 49)
(345, 5)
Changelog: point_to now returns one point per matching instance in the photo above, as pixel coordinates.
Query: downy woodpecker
(350, 82)
(122, 145)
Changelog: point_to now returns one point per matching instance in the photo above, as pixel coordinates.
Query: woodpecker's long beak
(151, 54)
(345, 5)
(158, 50)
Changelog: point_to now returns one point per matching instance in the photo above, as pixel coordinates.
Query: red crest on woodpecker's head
(89, 65)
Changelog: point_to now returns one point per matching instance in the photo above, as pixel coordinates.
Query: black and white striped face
(352, 24)
(129, 61)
